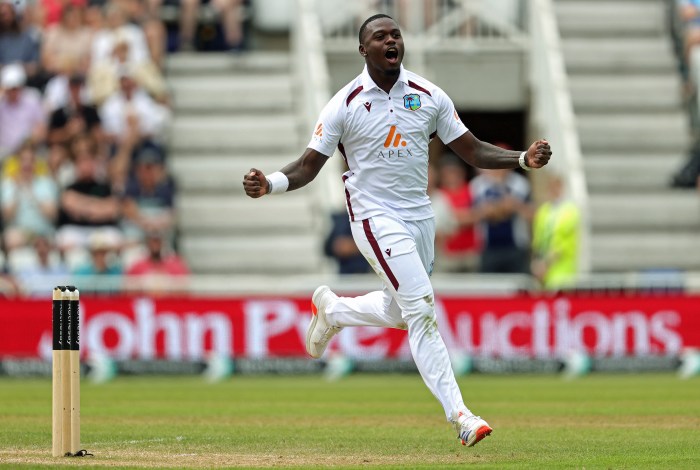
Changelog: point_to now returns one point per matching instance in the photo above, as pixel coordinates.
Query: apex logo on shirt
(394, 144)
(368, 105)
(396, 137)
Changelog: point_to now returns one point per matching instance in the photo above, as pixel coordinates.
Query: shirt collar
(367, 82)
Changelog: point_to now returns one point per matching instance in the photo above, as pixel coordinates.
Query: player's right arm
(299, 173)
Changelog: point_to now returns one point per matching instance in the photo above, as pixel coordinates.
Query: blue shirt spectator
(16, 45)
(504, 201)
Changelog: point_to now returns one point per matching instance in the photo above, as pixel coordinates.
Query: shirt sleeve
(449, 125)
(329, 128)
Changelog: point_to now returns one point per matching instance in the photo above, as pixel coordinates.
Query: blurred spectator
(66, 45)
(688, 175)
(104, 74)
(41, 270)
(21, 114)
(503, 199)
(689, 12)
(16, 44)
(103, 259)
(52, 10)
(132, 106)
(340, 246)
(160, 260)
(60, 165)
(149, 198)
(138, 12)
(74, 117)
(29, 201)
(445, 220)
(116, 28)
(87, 206)
(556, 238)
(230, 11)
(57, 92)
(460, 250)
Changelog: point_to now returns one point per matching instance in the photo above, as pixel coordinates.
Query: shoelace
(328, 332)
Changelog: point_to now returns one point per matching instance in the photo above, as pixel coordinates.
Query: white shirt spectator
(153, 118)
(104, 41)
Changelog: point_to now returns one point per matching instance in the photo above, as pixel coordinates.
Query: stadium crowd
(84, 115)
(84, 187)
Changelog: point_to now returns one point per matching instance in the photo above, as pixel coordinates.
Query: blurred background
(126, 127)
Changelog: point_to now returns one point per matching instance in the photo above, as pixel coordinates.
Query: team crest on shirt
(411, 102)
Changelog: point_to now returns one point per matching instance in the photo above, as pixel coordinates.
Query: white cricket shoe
(470, 429)
(320, 332)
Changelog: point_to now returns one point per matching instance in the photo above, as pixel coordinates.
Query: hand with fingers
(255, 183)
(538, 154)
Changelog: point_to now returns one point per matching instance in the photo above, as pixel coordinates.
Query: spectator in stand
(460, 250)
(75, 117)
(340, 246)
(87, 206)
(60, 165)
(29, 201)
(104, 73)
(445, 220)
(16, 44)
(21, 114)
(231, 12)
(149, 198)
(139, 13)
(66, 45)
(131, 104)
(51, 11)
(38, 275)
(161, 260)
(57, 92)
(689, 13)
(503, 199)
(102, 258)
(556, 238)
(115, 27)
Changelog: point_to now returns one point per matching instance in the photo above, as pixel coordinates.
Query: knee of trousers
(419, 308)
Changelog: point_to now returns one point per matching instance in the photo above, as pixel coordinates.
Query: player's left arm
(484, 155)
(475, 152)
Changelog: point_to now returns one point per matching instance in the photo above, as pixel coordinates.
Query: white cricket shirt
(384, 139)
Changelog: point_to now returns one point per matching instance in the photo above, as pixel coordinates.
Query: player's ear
(363, 51)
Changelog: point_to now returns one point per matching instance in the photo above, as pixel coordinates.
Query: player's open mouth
(392, 55)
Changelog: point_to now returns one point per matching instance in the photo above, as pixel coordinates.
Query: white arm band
(522, 162)
(277, 182)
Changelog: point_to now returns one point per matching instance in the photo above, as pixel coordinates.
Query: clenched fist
(255, 183)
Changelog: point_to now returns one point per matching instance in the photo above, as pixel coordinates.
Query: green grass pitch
(364, 421)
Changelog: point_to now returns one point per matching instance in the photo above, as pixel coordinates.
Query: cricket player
(382, 123)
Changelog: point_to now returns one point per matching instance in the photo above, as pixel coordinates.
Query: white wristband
(522, 163)
(277, 182)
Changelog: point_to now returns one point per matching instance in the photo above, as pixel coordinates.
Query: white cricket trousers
(402, 254)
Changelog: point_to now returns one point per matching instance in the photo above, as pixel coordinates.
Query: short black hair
(369, 20)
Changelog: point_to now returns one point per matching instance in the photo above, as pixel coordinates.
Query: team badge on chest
(411, 102)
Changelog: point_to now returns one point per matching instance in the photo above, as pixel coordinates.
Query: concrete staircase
(634, 133)
(233, 113)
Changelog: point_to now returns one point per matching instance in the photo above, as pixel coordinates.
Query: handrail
(313, 81)
(553, 115)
